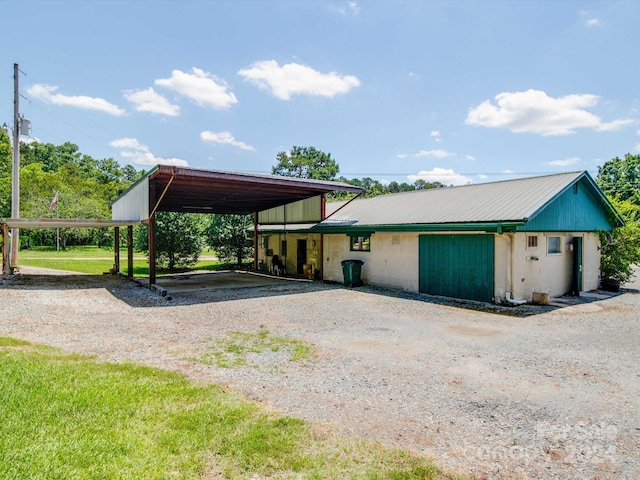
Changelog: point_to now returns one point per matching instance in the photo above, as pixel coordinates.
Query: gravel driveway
(551, 394)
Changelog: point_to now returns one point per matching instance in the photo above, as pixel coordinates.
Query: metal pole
(15, 171)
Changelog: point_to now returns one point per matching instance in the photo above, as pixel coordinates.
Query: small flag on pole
(54, 201)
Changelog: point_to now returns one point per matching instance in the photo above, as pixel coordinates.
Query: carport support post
(5, 250)
(116, 250)
(255, 241)
(152, 250)
(130, 251)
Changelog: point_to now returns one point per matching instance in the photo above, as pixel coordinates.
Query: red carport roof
(183, 189)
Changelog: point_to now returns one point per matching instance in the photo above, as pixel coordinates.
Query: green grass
(233, 351)
(93, 260)
(72, 417)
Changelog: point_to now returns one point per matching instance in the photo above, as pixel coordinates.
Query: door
(576, 278)
(458, 266)
(301, 256)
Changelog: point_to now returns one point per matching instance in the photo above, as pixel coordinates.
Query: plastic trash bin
(352, 269)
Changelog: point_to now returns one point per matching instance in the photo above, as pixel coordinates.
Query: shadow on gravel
(138, 295)
(518, 311)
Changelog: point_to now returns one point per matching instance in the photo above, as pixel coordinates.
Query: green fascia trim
(498, 227)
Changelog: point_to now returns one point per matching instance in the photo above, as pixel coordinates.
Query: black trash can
(351, 269)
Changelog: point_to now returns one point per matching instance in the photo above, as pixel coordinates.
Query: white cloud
(139, 154)
(443, 175)
(385, 182)
(205, 89)
(435, 134)
(350, 8)
(534, 111)
(47, 93)
(637, 147)
(435, 153)
(508, 172)
(564, 163)
(296, 79)
(402, 155)
(224, 138)
(471, 158)
(482, 176)
(150, 101)
(592, 22)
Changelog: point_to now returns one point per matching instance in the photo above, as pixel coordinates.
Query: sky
(457, 92)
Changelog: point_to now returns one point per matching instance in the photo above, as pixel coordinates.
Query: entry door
(458, 266)
(302, 256)
(576, 281)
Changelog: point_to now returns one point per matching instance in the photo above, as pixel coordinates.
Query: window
(361, 244)
(553, 245)
(283, 248)
(532, 242)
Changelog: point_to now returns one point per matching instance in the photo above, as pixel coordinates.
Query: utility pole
(15, 172)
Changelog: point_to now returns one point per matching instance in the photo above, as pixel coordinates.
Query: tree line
(86, 187)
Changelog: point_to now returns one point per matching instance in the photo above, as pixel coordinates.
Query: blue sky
(452, 91)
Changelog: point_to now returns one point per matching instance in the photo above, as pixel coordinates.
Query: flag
(54, 201)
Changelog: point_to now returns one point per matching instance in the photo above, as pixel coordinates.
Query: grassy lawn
(70, 416)
(93, 260)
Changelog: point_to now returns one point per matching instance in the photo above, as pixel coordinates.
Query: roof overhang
(190, 190)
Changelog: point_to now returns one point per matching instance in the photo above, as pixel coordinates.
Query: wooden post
(5, 250)
(152, 250)
(116, 250)
(130, 251)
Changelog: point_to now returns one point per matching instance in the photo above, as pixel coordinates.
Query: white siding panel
(134, 205)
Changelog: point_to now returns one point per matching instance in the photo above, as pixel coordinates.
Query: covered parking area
(189, 190)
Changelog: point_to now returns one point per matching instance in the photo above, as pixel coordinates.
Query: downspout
(508, 298)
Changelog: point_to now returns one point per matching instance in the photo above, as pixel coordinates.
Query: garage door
(458, 266)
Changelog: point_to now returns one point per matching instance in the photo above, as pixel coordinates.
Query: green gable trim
(580, 207)
(498, 227)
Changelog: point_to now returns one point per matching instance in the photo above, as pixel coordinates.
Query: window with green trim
(361, 244)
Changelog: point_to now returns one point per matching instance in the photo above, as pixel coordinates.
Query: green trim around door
(457, 266)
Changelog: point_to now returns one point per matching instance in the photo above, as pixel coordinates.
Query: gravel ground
(548, 393)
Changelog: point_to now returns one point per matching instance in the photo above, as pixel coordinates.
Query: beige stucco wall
(392, 261)
(290, 260)
(522, 270)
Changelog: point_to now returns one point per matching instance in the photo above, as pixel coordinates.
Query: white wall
(535, 270)
(392, 261)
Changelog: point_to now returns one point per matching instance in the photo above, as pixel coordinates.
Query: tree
(5, 175)
(178, 240)
(306, 162)
(619, 178)
(227, 235)
(621, 249)
(620, 181)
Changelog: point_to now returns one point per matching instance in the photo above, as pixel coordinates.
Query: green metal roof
(495, 206)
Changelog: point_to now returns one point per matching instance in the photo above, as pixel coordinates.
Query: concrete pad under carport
(199, 281)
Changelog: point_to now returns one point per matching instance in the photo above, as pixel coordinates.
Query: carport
(189, 190)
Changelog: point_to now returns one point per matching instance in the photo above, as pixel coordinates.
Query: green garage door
(458, 266)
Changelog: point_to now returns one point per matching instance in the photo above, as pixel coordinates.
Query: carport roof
(191, 190)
